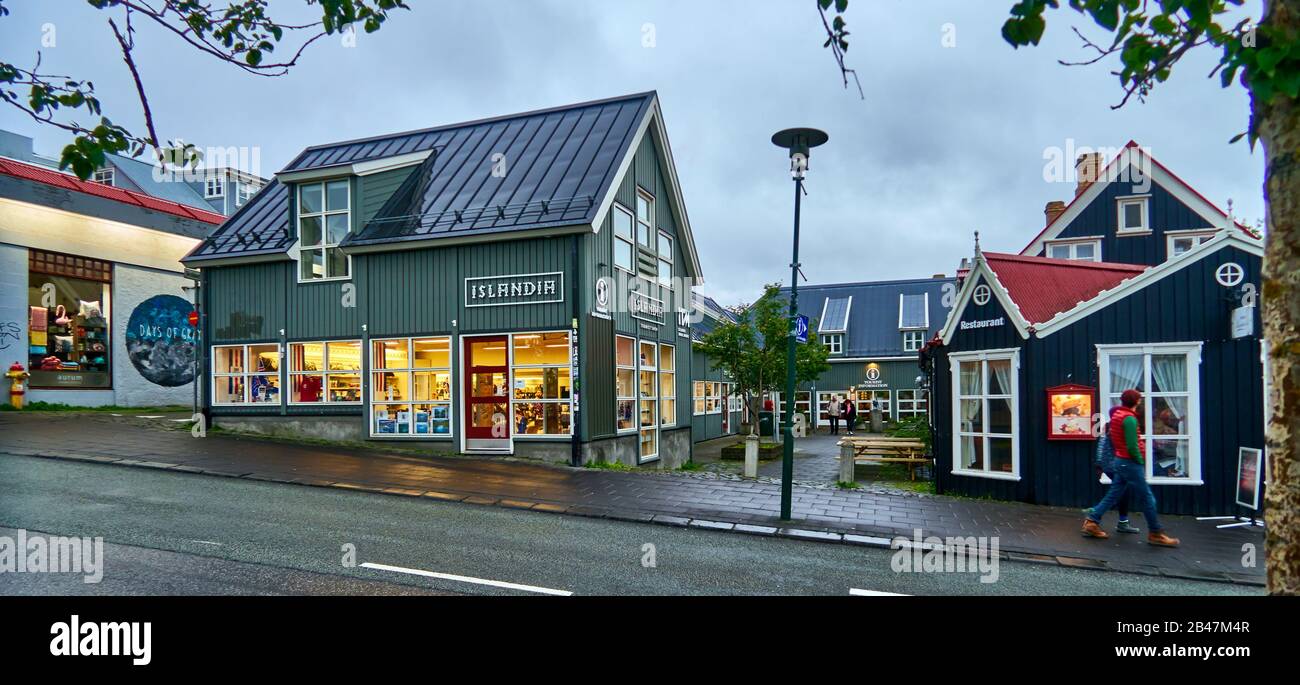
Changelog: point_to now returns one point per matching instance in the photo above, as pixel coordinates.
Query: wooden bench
(880, 451)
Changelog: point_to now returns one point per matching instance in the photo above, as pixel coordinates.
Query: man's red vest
(1116, 428)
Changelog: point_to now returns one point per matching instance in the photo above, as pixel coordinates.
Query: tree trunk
(1279, 131)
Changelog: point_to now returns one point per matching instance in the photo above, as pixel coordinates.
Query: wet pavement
(1026, 532)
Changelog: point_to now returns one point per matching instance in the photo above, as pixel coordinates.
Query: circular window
(1230, 274)
(982, 295)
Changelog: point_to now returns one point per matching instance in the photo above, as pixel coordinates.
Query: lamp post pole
(799, 141)
(787, 458)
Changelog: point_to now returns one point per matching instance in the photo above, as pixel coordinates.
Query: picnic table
(880, 450)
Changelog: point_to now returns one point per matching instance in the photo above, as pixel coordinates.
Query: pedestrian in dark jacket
(1130, 473)
(850, 413)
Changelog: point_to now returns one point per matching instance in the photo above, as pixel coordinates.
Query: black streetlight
(799, 141)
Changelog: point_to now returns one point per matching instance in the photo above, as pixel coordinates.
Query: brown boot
(1092, 530)
(1159, 539)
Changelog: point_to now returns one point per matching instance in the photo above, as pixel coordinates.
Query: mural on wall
(10, 333)
(160, 341)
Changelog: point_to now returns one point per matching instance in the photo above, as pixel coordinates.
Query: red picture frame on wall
(1069, 412)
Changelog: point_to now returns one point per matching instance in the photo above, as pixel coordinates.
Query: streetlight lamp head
(799, 141)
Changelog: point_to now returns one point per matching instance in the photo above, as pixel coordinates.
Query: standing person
(833, 410)
(850, 413)
(1130, 473)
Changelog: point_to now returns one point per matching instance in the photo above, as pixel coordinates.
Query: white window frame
(664, 259)
(325, 245)
(104, 176)
(1172, 237)
(884, 396)
(834, 342)
(410, 369)
(246, 375)
(324, 373)
(245, 192)
(913, 340)
(918, 405)
(699, 398)
(1142, 200)
(1073, 246)
(561, 400)
(667, 351)
(636, 379)
(212, 181)
(1105, 393)
(902, 297)
(649, 223)
(983, 357)
(652, 399)
(630, 241)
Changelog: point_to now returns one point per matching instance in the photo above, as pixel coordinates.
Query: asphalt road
(175, 533)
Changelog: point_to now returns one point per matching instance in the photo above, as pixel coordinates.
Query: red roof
(1042, 287)
(39, 174)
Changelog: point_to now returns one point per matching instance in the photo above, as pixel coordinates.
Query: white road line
(468, 579)
(208, 542)
(874, 593)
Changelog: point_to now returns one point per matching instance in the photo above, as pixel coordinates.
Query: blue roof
(835, 314)
(142, 175)
(560, 163)
(873, 329)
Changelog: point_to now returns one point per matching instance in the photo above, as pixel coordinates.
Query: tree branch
(127, 45)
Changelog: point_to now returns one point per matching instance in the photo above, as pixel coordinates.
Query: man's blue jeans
(1129, 476)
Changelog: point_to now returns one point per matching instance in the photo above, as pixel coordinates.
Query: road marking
(468, 579)
(874, 593)
(208, 542)
(183, 420)
(142, 416)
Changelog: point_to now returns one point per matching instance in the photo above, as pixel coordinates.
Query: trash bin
(766, 424)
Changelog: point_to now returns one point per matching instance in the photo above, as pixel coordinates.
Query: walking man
(1130, 474)
(833, 410)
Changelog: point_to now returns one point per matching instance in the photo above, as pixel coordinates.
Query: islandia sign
(497, 291)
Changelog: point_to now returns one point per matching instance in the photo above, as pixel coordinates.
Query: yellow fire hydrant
(17, 374)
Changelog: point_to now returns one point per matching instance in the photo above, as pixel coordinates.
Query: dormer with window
(324, 219)
(104, 176)
(1134, 215)
(1084, 250)
(913, 319)
(214, 185)
(834, 323)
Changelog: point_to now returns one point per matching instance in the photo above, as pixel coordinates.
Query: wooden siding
(1101, 218)
(246, 303)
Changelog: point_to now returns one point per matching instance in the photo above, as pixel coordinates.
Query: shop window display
(542, 390)
(325, 372)
(246, 374)
(410, 387)
(69, 343)
(625, 369)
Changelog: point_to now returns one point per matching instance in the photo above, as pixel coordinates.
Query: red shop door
(487, 393)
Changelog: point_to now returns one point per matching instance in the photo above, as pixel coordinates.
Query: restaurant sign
(500, 291)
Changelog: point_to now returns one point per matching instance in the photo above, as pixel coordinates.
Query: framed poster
(1248, 472)
(1069, 412)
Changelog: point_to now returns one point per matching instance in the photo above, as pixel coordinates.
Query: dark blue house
(1038, 349)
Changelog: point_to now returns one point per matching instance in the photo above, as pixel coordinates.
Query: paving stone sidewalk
(1026, 532)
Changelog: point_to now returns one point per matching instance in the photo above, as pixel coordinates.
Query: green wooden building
(511, 285)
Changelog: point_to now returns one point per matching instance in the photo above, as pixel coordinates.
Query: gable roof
(58, 179)
(1116, 170)
(141, 174)
(872, 327)
(712, 314)
(1041, 287)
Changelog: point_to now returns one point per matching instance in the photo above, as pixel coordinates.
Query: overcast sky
(949, 139)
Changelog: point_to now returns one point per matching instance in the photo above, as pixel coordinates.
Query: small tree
(751, 351)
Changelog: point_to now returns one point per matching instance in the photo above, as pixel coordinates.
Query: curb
(587, 511)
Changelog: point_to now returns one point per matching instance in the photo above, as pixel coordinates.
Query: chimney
(938, 276)
(1086, 170)
(1053, 210)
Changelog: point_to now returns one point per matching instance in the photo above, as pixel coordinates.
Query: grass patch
(847, 485)
(608, 465)
(59, 406)
(691, 466)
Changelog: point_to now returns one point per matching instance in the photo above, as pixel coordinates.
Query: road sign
(801, 328)
(193, 318)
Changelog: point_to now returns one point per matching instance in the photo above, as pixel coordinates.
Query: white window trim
(634, 398)
(920, 341)
(1193, 352)
(368, 391)
(631, 215)
(926, 299)
(209, 182)
(245, 374)
(651, 226)
(324, 245)
(1171, 236)
(106, 176)
(919, 399)
(660, 373)
(653, 399)
(1073, 243)
(1145, 202)
(821, 320)
(510, 359)
(984, 356)
(324, 373)
(834, 342)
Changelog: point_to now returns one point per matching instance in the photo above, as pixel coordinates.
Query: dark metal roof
(872, 329)
(558, 164)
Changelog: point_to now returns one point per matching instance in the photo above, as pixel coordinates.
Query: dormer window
(834, 322)
(324, 219)
(1133, 214)
(1181, 243)
(913, 340)
(103, 176)
(214, 186)
(834, 342)
(1079, 250)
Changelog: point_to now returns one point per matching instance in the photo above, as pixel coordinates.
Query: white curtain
(1169, 372)
(970, 378)
(1002, 371)
(1125, 373)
